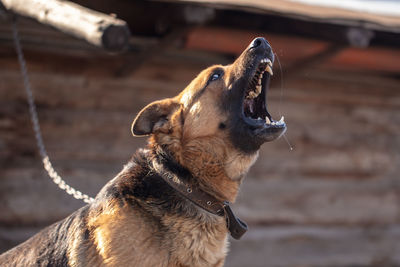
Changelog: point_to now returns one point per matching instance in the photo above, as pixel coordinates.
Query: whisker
(280, 99)
(287, 141)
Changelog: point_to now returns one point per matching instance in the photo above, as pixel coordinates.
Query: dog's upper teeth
(266, 60)
(267, 121)
(269, 70)
(258, 89)
(260, 78)
(282, 120)
(252, 95)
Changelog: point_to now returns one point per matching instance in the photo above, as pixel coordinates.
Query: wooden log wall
(332, 201)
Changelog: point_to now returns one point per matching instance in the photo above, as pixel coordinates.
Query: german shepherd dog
(169, 206)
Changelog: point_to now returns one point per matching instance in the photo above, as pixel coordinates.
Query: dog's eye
(215, 76)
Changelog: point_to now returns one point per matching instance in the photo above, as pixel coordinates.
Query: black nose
(260, 45)
(260, 42)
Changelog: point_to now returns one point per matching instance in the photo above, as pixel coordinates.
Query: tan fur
(115, 225)
(198, 242)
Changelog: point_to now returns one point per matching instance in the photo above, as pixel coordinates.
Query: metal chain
(36, 127)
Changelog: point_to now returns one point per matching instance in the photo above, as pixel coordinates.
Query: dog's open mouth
(254, 104)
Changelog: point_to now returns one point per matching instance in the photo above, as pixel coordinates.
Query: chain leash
(36, 127)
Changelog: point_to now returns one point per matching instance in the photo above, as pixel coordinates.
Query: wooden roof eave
(307, 12)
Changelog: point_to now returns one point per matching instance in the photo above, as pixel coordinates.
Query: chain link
(36, 127)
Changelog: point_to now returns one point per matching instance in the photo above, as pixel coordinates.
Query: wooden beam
(96, 28)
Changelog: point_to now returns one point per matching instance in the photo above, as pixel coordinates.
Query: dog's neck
(212, 180)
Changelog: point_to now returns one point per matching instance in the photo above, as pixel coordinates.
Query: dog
(169, 206)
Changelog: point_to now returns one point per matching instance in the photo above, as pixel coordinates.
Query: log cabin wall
(331, 201)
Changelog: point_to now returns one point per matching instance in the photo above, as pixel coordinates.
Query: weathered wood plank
(293, 246)
(96, 28)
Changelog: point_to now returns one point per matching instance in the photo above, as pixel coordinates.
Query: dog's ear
(153, 116)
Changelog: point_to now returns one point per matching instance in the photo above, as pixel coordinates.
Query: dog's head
(221, 118)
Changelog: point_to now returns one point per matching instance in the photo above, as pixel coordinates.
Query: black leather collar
(236, 227)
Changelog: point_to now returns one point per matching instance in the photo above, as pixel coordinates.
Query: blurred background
(334, 200)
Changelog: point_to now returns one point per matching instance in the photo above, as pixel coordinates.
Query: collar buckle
(236, 226)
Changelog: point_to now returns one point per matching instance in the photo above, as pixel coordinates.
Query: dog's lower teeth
(278, 123)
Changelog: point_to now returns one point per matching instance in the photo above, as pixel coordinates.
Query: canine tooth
(269, 69)
(282, 120)
(267, 121)
(268, 61)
